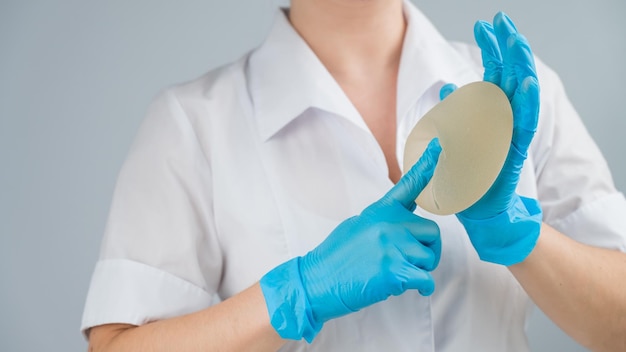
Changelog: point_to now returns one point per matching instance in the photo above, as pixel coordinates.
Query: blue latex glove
(382, 252)
(503, 226)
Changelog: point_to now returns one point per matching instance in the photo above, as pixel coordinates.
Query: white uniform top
(257, 162)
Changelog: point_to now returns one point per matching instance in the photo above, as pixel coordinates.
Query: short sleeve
(574, 184)
(160, 257)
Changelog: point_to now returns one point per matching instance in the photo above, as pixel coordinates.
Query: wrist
(287, 304)
(509, 237)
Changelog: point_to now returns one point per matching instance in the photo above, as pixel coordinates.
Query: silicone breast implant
(474, 125)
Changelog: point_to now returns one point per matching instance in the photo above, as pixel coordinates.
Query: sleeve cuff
(601, 223)
(129, 292)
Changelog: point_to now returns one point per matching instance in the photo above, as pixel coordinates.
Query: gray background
(76, 77)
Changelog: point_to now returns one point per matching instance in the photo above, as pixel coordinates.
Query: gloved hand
(503, 226)
(384, 251)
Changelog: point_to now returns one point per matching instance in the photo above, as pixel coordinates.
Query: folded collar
(286, 77)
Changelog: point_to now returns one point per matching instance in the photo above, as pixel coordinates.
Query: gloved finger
(446, 90)
(398, 220)
(413, 182)
(525, 107)
(423, 230)
(492, 58)
(417, 254)
(520, 57)
(519, 64)
(415, 247)
(413, 278)
(503, 28)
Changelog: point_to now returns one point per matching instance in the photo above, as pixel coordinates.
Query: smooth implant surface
(474, 125)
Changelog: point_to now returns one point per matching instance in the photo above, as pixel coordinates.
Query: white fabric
(118, 284)
(256, 162)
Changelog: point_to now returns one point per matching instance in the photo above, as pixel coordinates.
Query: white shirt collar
(286, 77)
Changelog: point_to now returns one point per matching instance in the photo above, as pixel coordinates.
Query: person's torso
(279, 197)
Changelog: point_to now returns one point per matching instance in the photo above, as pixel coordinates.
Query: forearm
(240, 323)
(581, 288)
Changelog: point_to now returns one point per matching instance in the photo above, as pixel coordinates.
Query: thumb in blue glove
(384, 251)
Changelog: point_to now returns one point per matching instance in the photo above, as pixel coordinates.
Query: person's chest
(374, 96)
(279, 198)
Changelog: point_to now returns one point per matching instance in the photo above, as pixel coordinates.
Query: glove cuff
(288, 307)
(507, 238)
